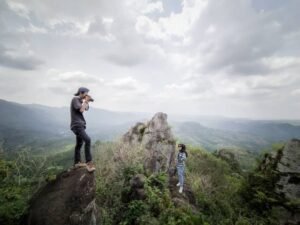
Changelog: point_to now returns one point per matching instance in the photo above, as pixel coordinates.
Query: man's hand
(84, 106)
(87, 98)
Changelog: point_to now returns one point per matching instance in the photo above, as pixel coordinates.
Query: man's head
(82, 92)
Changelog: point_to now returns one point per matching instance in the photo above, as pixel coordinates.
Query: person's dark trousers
(81, 136)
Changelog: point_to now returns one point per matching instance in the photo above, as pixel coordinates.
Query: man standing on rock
(79, 104)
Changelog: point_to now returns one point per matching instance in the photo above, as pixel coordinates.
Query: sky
(197, 57)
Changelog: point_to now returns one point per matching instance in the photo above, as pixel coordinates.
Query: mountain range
(25, 124)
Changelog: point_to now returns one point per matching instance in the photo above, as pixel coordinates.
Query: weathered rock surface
(289, 168)
(158, 141)
(67, 200)
(288, 184)
(286, 163)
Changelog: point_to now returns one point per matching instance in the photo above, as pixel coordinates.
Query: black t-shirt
(77, 119)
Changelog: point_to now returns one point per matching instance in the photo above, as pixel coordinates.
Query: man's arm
(80, 106)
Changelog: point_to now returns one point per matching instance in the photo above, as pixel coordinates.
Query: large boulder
(157, 140)
(67, 200)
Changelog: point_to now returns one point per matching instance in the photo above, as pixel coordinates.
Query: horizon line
(174, 114)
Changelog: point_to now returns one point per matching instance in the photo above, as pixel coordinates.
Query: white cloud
(295, 92)
(127, 84)
(66, 83)
(209, 55)
(275, 62)
(117, 90)
(33, 29)
(176, 25)
(153, 7)
(19, 8)
(74, 76)
(21, 58)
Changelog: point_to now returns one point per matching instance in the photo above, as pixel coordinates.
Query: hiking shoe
(180, 189)
(178, 184)
(90, 166)
(79, 164)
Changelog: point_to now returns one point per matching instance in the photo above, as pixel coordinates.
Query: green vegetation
(218, 190)
(116, 168)
(223, 194)
(21, 175)
(217, 186)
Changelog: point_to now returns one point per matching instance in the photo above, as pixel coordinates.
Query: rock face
(286, 163)
(289, 168)
(288, 184)
(157, 139)
(68, 200)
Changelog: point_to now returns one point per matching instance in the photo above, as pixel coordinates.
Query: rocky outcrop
(157, 140)
(285, 163)
(67, 200)
(289, 168)
(158, 144)
(288, 184)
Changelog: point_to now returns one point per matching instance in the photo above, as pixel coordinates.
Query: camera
(90, 98)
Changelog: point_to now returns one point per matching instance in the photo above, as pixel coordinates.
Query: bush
(20, 178)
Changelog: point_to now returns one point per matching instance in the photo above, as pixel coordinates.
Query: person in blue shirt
(180, 165)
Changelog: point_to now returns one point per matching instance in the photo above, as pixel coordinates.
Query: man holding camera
(79, 104)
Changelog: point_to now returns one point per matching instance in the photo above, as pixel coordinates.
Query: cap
(81, 89)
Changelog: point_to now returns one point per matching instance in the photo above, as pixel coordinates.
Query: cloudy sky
(207, 57)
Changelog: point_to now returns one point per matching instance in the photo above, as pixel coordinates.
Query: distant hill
(24, 124)
(212, 139)
(268, 129)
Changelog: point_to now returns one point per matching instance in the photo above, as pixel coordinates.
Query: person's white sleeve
(184, 156)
